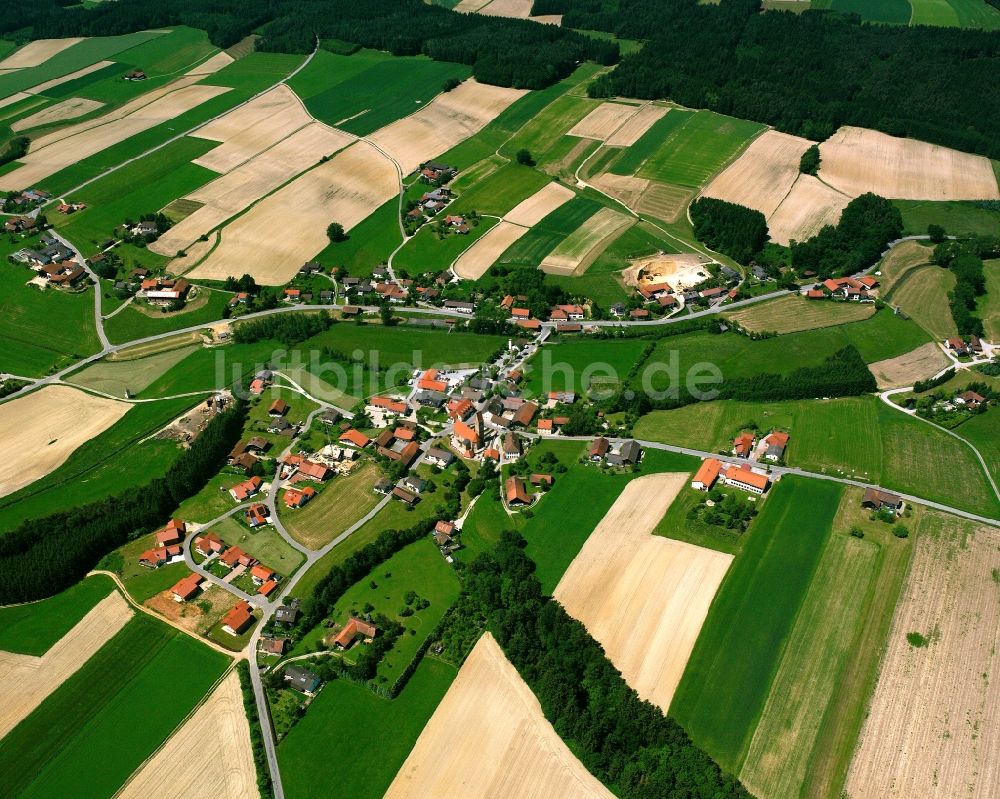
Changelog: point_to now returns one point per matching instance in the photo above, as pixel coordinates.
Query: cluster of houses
(962, 348)
(845, 288)
(625, 453)
(210, 546)
(766, 448)
(167, 548)
(164, 290)
(25, 225)
(27, 199)
(744, 477)
(53, 263)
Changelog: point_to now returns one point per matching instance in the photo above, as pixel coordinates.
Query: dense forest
(866, 226)
(627, 743)
(44, 556)
(290, 328)
(735, 230)
(505, 52)
(806, 73)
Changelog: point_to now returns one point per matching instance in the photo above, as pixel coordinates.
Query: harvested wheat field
(856, 160)
(809, 206)
(793, 313)
(581, 247)
(236, 191)
(517, 9)
(25, 681)
(604, 121)
(664, 202)
(212, 65)
(449, 119)
(273, 239)
(628, 190)
(933, 728)
(642, 596)
(252, 128)
(473, 263)
(42, 430)
(14, 98)
(60, 112)
(763, 175)
(41, 88)
(629, 133)
(209, 757)
(906, 369)
(489, 738)
(680, 270)
(37, 52)
(46, 159)
(543, 202)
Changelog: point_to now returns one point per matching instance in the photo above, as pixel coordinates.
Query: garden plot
(25, 681)
(858, 160)
(217, 734)
(236, 191)
(44, 428)
(250, 129)
(643, 597)
(68, 109)
(604, 121)
(626, 189)
(48, 156)
(449, 119)
(489, 738)
(274, 238)
(933, 728)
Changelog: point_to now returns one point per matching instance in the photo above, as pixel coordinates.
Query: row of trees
(866, 226)
(44, 556)
(504, 52)
(735, 230)
(261, 766)
(289, 328)
(627, 743)
(965, 259)
(806, 74)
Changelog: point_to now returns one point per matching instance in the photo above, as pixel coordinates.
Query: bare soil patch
(643, 597)
(67, 109)
(449, 119)
(209, 757)
(856, 160)
(579, 250)
(41, 88)
(489, 738)
(543, 202)
(196, 616)
(41, 430)
(236, 191)
(809, 206)
(91, 137)
(604, 121)
(628, 190)
(37, 52)
(680, 270)
(473, 263)
(26, 681)
(906, 369)
(763, 175)
(287, 228)
(629, 133)
(933, 728)
(252, 128)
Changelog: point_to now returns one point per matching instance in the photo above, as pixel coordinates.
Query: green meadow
(426, 252)
(544, 237)
(721, 696)
(500, 192)
(131, 323)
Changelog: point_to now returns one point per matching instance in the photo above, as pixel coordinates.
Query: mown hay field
(603, 121)
(36, 52)
(59, 112)
(643, 597)
(121, 377)
(578, 250)
(637, 126)
(794, 313)
(923, 294)
(904, 370)
(934, 722)
(506, 746)
(338, 506)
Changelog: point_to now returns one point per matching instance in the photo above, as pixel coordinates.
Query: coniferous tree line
(505, 52)
(288, 328)
(866, 227)
(627, 743)
(42, 557)
(806, 74)
(734, 230)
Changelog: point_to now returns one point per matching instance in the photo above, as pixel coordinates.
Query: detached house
(238, 619)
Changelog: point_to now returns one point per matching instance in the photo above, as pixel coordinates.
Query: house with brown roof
(599, 448)
(355, 438)
(238, 619)
(296, 498)
(173, 533)
(876, 499)
(444, 532)
(159, 556)
(278, 408)
(209, 544)
(273, 646)
(539, 479)
(776, 442)
(404, 496)
(706, 475)
(743, 444)
(516, 492)
(957, 345)
(242, 491)
(186, 588)
(512, 448)
(310, 470)
(970, 399)
(523, 415)
(354, 629)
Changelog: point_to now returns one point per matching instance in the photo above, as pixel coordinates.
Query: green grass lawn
(988, 305)
(212, 501)
(676, 524)
(549, 125)
(133, 323)
(482, 528)
(855, 437)
(209, 369)
(119, 377)
(955, 217)
(544, 237)
(425, 252)
(33, 628)
(367, 90)
(418, 567)
(368, 244)
(927, 12)
(500, 192)
(348, 719)
(922, 293)
(574, 364)
(976, 14)
(142, 583)
(115, 460)
(264, 543)
(115, 710)
(698, 149)
(258, 420)
(634, 156)
(144, 186)
(726, 683)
